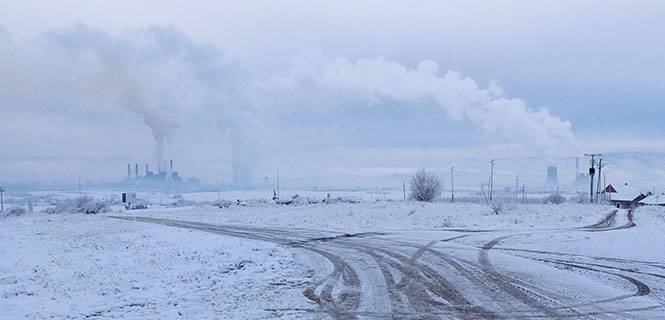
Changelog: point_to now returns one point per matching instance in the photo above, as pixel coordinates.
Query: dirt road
(461, 274)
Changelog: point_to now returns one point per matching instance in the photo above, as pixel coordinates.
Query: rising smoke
(376, 80)
(156, 73)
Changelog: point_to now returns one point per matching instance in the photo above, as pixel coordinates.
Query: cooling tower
(552, 176)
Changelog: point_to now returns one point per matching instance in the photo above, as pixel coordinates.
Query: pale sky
(597, 64)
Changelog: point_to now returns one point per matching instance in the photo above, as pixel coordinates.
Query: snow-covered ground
(390, 215)
(263, 260)
(92, 267)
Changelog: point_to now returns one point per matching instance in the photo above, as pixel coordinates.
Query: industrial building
(152, 178)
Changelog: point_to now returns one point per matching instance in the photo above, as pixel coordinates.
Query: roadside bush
(332, 200)
(425, 186)
(554, 198)
(84, 204)
(13, 211)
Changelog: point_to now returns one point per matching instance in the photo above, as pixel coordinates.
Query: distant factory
(165, 176)
(149, 176)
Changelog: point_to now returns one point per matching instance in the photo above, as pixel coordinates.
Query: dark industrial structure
(165, 177)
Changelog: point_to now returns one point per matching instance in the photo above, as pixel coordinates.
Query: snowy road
(463, 273)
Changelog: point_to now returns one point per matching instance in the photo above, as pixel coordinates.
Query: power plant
(166, 175)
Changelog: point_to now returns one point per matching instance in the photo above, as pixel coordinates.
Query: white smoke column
(133, 71)
(458, 96)
(156, 73)
(229, 96)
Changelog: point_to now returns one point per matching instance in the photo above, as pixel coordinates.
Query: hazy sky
(598, 64)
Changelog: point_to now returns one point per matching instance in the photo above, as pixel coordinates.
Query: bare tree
(425, 186)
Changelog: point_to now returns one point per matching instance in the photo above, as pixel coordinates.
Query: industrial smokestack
(171, 165)
(552, 176)
(129, 171)
(136, 171)
(146, 169)
(577, 167)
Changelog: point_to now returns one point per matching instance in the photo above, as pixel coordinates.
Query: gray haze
(236, 90)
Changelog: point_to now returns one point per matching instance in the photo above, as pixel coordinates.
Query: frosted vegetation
(425, 186)
(84, 204)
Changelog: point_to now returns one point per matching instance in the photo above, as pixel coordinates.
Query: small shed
(654, 200)
(624, 196)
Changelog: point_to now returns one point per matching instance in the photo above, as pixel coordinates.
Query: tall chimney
(136, 171)
(129, 171)
(171, 164)
(577, 166)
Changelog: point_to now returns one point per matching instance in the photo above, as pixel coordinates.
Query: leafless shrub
(554, 198)
(13, 212)
(425, 186)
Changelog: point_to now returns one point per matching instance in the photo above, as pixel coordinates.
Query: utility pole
(404, 191)
(2, 200)
(598, 187)
(452, 184)
(592, 171)
(517, 186)
(492, 179)
(278, 183)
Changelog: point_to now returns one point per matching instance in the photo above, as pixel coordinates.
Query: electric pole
(517, 186)
(592, 172)
(404, 191)
(491, 179)
(452, 184)
(598, 187)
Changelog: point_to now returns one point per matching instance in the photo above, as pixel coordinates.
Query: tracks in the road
(420, 281)
(607, 224)
(609, 221)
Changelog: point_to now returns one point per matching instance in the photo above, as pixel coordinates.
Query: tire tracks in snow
(420, 281)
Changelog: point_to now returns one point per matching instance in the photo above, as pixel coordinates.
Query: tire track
(504, 283)
(420, 280)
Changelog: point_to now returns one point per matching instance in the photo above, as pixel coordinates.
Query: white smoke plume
(156, 73)
(460, 97)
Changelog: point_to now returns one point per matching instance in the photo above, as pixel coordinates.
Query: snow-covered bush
(297, 200)
(332, 200)
(223, 203)
(425, 186)
(83, 204)
(554, 198)
(13, 211)
(496, 206)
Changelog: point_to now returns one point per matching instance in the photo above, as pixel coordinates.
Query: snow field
(78, 267)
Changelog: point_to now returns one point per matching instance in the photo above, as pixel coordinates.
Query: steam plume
(156, 73)
(460, 97)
